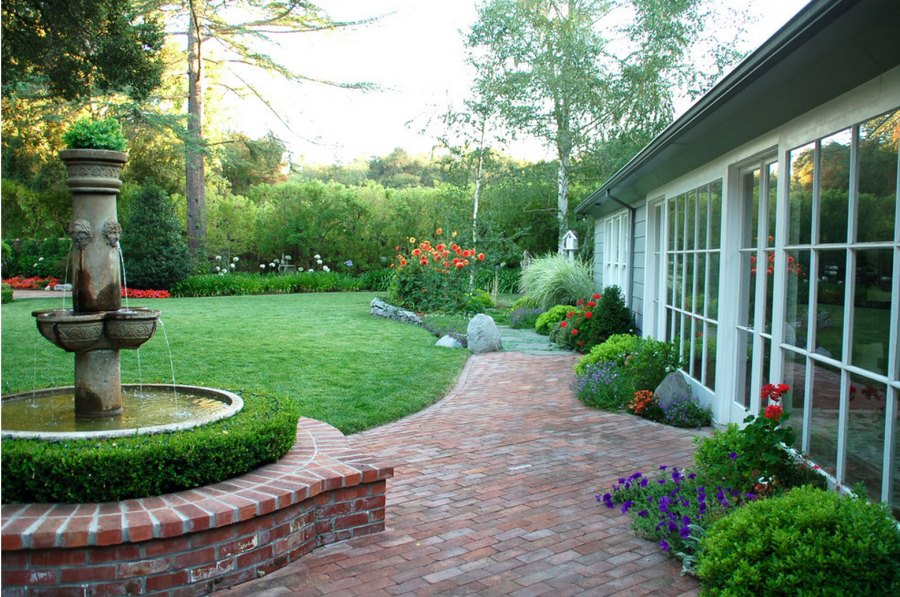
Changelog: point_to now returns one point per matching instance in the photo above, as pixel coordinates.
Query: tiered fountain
(97, 328)
(190, 542)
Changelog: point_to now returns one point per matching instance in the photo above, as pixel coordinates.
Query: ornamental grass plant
(556, 280)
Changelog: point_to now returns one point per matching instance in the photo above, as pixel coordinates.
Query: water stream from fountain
(171, 360)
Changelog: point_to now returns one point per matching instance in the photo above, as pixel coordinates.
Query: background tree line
(546, 69)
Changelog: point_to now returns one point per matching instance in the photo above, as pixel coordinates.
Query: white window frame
(616, 253)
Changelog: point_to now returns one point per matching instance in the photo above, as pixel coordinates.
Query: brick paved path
(493, 494)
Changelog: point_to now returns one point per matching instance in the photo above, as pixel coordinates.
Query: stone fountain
(97, 328)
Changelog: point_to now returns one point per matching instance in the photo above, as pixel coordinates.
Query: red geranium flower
(591, 304)
(563, 324)
(774, 412)
(596, 296)
(574, 332)
(588, 314)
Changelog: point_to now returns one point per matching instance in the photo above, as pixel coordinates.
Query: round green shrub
(805, 542)
(549, 318)
(156, 254)
(102, 470)
(6, 294)
(616, 348)
(88, 133)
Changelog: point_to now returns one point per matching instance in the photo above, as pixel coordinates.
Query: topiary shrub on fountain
(88, 133)
(156, 254)
(112, 469)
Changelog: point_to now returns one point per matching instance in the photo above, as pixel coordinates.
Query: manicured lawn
(346, 368)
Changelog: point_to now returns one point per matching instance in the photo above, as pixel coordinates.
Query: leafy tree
(156, 255)
(78, 48)
(554, 76)
(542, 65)
(236, 29)
(247, 162)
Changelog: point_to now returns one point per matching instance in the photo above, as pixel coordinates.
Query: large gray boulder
(449, 341)
(483, 334)
(673, 387)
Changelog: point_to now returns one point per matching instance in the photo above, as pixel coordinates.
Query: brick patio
(493, 494)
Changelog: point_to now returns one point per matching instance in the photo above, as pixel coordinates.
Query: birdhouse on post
(570, 245)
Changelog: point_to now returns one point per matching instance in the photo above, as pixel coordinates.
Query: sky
(415, 54)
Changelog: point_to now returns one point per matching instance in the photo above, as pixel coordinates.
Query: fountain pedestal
(97, 328)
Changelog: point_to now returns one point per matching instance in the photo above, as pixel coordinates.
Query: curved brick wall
(193, 542)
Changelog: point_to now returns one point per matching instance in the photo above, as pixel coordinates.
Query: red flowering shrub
(593, 321)
(32, 283)
(435, 277)
(144, 294)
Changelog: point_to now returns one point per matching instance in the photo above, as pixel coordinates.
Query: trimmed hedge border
(249, 284)
(113, 469)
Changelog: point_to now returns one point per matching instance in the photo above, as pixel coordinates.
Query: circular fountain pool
(147, 408)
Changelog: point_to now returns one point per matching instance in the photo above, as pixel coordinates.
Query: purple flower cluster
(523, 317)
(685, 411)
(672, 505)
(596, 379)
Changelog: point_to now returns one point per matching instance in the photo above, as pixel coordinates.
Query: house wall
(739, 368)
(638, 265)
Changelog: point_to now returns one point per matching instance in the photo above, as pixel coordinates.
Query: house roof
(827, 49)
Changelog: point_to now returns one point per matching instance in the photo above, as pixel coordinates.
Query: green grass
(345, 367)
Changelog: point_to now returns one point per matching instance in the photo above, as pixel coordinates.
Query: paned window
(842, 297)
(615, 252)
(692, 256)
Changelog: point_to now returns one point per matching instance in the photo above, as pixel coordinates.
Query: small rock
(449, 342)
(483, 334)
(672, 388)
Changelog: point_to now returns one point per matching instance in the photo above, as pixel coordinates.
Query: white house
(762, 230)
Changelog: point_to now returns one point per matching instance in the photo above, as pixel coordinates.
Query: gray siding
(598, 254)
(637, 264)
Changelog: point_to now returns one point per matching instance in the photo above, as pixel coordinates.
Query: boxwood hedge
(131, 467)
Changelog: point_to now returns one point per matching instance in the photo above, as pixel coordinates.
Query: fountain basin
(147, 409)
(80, 332)
(130, 327)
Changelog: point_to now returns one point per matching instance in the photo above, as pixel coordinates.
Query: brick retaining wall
(195, 541)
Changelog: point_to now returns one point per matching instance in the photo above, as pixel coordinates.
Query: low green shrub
(547, 320)
(6, 294)
(479, 301)
(378, 280)
(102, 470)
(616, 349)
(643, 368)
(87, 133)
(805, 542)
(247, 284)
(556, 280)
(443, 324)
(524, 302)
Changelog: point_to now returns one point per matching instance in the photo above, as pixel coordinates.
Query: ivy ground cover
(345, 367)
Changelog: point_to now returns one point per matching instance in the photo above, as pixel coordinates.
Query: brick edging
(190, 541)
